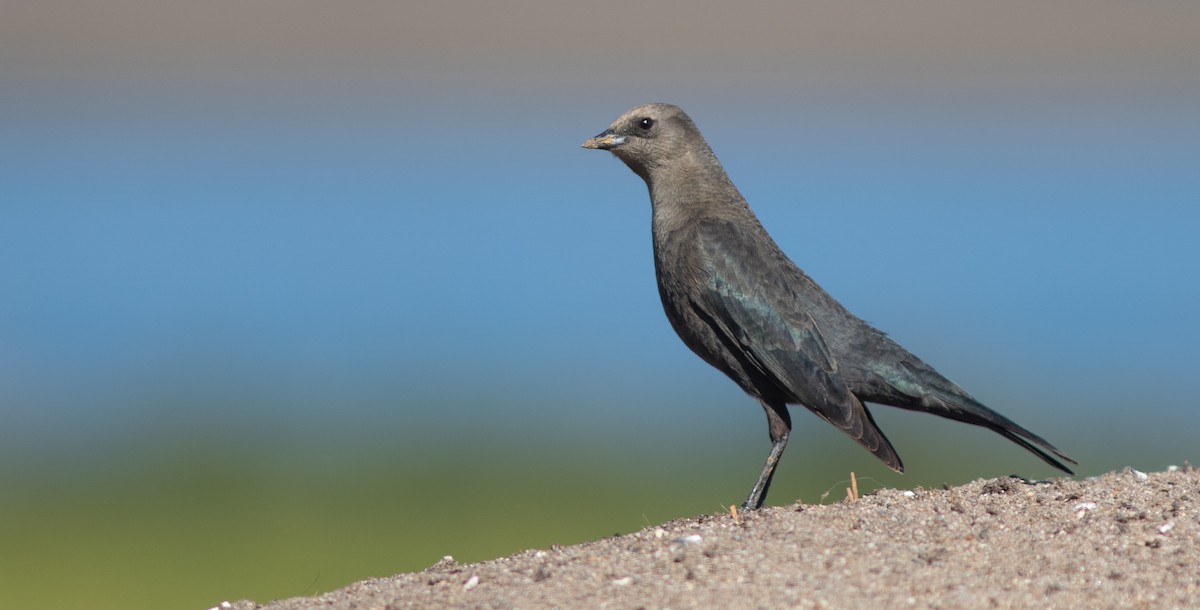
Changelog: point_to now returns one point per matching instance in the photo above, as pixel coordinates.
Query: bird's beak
(604, 140)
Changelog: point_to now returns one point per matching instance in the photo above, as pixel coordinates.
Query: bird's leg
(758, 493)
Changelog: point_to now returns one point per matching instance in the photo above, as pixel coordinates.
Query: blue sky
(361, 211)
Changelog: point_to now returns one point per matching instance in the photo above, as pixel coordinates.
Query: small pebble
(471, 582)
(621, 582)
(1166, 527)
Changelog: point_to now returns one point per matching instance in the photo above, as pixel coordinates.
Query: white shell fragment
(686, 540)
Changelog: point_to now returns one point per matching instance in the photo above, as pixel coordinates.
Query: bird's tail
(943, 397)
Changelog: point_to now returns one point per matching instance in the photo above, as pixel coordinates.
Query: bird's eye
(646, 123)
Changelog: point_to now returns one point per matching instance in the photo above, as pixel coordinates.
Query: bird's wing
(750, 301)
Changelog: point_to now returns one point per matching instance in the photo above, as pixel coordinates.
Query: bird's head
(648, 137)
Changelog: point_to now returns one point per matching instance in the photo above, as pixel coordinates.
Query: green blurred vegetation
(190, 519)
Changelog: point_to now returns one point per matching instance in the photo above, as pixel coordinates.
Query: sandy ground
(1122, 540)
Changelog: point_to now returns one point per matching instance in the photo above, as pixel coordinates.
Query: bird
(737, 301)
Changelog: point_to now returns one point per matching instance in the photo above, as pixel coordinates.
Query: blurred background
(294, 294)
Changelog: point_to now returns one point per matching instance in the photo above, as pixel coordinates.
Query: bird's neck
(691, 189)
